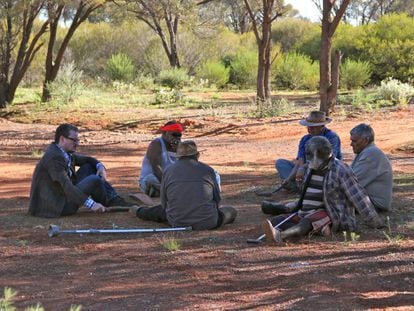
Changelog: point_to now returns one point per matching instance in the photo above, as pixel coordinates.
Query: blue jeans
(284, 168)
(92, 185)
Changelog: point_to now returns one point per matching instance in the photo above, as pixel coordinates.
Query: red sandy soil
(212, 270)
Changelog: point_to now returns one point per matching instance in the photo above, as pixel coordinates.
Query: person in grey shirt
(190, 194)
(371, 167)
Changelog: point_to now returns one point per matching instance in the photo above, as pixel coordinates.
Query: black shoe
(118, 201)
(274, 208)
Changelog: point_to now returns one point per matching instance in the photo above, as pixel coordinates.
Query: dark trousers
(226, 214)
(92, 185)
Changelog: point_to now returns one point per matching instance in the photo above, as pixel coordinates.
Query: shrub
(297, 71)
(354, 74)
(175, 78)
(168, 97)
(273, 108)
(67, 85)
(395, 91)
(243, 68)
(215, 72)
(120, 68)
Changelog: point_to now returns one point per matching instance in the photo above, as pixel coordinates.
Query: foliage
(350, 41)
(168, 97)
(273, 108)
(353, 237)
(395, 91)
(215, 72)
(294, 33)
(67, 85)
(120, 68)
(354, 74)
(392, 237)
(6, 302)
(361, 99)
(297, 71)
(175, 78)
(171, 244)
(389, 46)
(243, 68)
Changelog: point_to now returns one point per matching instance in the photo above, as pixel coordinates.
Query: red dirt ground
(212, 270)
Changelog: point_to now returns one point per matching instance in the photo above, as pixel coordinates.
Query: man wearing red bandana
(161, 153)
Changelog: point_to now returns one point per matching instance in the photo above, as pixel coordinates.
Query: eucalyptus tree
(263, 14)
(71, 14)
(164, 18)
(20, 34)
(332, 13)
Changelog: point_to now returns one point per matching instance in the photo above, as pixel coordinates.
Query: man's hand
(300, 173)
(98, 207)
(101, 172)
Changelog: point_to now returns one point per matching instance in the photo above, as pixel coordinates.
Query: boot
(274, 208)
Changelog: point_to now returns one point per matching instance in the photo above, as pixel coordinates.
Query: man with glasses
(58, 190)
(161, 153)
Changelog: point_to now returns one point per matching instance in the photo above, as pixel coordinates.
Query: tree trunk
(333, 90)
(4, 94)
(260, 86)
(325, 70)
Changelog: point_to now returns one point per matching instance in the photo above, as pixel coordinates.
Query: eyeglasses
(75, 140)
(177, 135)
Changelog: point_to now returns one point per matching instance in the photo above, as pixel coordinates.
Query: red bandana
(176, 127)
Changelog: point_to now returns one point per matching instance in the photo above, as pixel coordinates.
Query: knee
(95, 180)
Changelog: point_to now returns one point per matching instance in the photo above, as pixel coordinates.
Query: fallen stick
(55, 230)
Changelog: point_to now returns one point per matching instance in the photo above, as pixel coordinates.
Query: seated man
(292, 172)
(161, 153)
(190, 194)
(371, 167)
(58, 190)
(330, 196)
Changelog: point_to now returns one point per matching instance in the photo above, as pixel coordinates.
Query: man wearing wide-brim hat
(190, 194)
(292, 172)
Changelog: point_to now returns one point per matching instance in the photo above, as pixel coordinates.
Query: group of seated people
(189, 190)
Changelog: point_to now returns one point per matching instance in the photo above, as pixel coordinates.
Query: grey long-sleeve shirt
(190, 194)
(374, 173)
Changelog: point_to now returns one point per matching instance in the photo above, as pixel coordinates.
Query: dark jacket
(190, 195)
(51, 185)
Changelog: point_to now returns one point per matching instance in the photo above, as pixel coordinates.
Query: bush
(215, 72)
(354, 74)
(175, 78)
(395, 91)
(297, 71)
(168, 97)
(273, 108)
(67, 85)
(120, 68)
(243, 68)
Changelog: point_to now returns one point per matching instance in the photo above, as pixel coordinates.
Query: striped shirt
(314, 192)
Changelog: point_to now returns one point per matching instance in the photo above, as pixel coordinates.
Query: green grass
(171, 244)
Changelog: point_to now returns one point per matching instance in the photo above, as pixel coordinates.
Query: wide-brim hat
(187, 148)
(315, 118)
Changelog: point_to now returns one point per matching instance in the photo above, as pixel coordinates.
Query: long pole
(55, 230)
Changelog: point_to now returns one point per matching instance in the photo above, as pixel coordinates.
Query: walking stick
(260, 238)
(55, 230)
(299, 206)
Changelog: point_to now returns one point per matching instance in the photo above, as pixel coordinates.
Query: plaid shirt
(342, 194)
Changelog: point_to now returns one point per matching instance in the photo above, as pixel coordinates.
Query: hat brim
(306, 123)
(187, 155)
